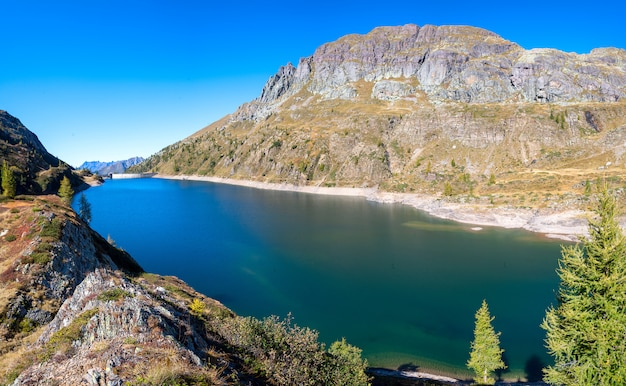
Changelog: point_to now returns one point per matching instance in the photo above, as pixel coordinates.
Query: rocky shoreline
(554, 223)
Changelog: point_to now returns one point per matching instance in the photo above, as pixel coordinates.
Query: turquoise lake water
(399, 284)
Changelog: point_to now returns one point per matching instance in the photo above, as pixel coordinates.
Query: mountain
(105, 168)
(454, 111)
(36, 171)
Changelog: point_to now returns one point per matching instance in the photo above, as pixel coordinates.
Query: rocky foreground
(75, 309)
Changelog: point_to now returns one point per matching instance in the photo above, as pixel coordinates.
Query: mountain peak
(448, 64)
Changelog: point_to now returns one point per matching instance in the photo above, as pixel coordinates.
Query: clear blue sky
(108, 80)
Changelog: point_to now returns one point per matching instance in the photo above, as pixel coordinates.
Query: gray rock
(451, 63)
(391, 90)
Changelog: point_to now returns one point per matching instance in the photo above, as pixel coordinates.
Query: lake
(398, 283)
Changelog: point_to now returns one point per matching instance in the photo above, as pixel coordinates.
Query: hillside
(36, 171)
(450, 111)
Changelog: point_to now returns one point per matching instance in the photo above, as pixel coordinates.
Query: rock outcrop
(449, 63)
(77, 310)
(112, 330)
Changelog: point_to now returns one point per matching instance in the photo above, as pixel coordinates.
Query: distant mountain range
(104, 168)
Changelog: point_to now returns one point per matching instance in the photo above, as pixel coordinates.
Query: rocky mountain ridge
(453, 111)
(448, 63)
(106, 168)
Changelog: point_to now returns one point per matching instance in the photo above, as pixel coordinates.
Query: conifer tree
(9, 185)
(586, 332)
(486, 354)
(65, 190)
(84, 209)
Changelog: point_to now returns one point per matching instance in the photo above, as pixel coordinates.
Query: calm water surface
(401, 285)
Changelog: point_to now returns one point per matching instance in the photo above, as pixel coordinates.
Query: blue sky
(108, 80)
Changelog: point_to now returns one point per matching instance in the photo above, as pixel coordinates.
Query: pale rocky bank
(559, 223)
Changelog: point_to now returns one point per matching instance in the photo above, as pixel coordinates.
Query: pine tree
(65, 190)
(486, 354)
(9, 185)
(84, 209)
(586, 332)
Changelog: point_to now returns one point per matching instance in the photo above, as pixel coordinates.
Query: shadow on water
(534, 368)
(501, 372)
(408, 367)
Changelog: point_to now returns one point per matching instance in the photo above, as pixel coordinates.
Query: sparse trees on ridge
(9, 185)
(486, 354)
(65, 190)
(586, 332)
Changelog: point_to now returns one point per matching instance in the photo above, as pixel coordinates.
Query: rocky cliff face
(454, 111)
(76, 310)
(451, 63)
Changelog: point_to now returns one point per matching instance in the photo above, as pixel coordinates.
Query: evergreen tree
(65, 190)
(486, 354)
(9, 185)
(84, 209)
(586, 332)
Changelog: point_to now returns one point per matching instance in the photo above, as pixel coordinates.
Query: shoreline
(566, 225)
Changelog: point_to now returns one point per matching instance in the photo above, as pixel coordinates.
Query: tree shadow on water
(408, 367)
(534, 368)
(501, 372)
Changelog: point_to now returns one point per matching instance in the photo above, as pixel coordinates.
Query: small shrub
(114, 294)
(41, 258)
(62, 339)
(15, 210)
(10, 238)
(197, 307)
(130, 340)
(52, 229)
(26, 326)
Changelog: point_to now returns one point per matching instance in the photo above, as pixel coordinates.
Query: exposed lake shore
(566, 224)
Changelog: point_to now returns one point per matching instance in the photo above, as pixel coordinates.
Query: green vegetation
(10, 238)
(9, 185)
(586, 332)
(486, 354)
(197, 307)
(287, 354)
(114, 294)
(447, 189)
(52, 229)
(587, 187)
(66, 192)
(62, 339)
